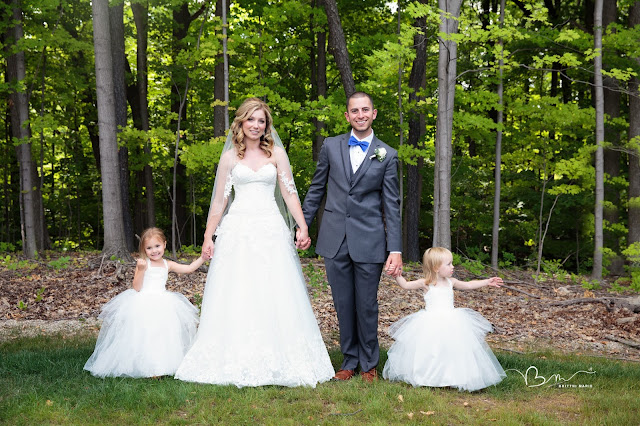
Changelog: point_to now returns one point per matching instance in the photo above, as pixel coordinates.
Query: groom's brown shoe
(344, 375)
(369, 376)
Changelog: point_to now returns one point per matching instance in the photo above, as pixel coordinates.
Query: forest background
(458, 92)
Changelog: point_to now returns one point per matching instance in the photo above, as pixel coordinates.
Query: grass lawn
(42, 381)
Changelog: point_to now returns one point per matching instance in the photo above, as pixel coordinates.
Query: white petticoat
(143, 334)
(442, 346)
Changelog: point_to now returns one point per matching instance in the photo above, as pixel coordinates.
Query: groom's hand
(393, 266)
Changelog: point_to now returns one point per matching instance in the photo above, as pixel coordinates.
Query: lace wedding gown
(257, 326)
(442, 346)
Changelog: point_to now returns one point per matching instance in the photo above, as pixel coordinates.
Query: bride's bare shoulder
(228, 157)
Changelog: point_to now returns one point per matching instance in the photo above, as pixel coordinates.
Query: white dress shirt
(356, 153)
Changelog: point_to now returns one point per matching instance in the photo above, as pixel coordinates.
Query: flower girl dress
(145, 333)
(442, 346)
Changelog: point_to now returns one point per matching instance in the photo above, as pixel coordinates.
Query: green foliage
(197, 301)
(60, 263)
(15, 264)
(308, 253)
(553, 267)
(474, 263)
(191, 250)
(7, 247)
(620, 285)
(508, 260)
(632, 255)
(590, 284)
(39, 294)
(635, 280)
(315, 277)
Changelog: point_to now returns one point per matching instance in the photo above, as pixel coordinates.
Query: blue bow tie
(353, 141)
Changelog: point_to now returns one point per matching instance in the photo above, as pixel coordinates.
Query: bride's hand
(208, 248)
(303, 241)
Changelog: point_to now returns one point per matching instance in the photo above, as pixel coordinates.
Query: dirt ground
(35, 298)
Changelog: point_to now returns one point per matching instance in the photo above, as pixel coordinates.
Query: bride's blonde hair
(248, 107)
(432, 259)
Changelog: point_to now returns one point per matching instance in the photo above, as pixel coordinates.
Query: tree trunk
(181, 23)
(611, 214)
(318, 82)
(447, 61)
(219, 87)
(416, 132)
(338, 46)
(19, 106)
(180, 81)
(634, 132)
(116, 22)
(497, 174)
(596, 273)
(140, 14)
(114, 237)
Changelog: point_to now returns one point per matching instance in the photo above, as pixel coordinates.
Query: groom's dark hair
(360, 95)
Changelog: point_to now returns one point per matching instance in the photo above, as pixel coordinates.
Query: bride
(257, 326)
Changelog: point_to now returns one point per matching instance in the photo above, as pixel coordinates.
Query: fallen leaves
(519, 322)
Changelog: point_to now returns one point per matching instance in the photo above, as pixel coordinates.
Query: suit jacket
(356, 202)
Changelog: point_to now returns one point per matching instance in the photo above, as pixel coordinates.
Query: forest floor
(65, 296)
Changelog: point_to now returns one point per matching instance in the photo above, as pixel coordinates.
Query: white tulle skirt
(443, 347)
(257, 325)
(143, 334)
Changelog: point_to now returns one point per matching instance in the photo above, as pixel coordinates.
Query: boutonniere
(380, 154)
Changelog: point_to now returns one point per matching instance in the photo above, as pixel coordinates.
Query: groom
(360, 229)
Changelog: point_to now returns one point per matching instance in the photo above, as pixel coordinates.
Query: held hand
(303, 241)
(141, 265)
(207, 248)
(393, 266)
(494, 282)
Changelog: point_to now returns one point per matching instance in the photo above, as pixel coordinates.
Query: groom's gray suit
(360, 226)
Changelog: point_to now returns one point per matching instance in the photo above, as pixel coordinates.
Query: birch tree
(599, 158)
(634, 138)
(447, 61)
(497, 174)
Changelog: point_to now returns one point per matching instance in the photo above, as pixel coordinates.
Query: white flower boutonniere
(380, 154)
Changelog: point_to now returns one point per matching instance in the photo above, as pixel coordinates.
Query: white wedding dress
(256, 326)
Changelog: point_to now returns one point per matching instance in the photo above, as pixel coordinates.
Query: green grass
(42, 381)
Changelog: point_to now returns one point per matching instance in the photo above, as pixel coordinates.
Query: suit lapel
(346, 158)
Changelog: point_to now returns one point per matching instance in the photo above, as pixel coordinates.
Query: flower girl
(441, 345)
(146, 330)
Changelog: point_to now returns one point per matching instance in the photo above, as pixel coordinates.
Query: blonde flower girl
(146, 330)
(441, 345)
